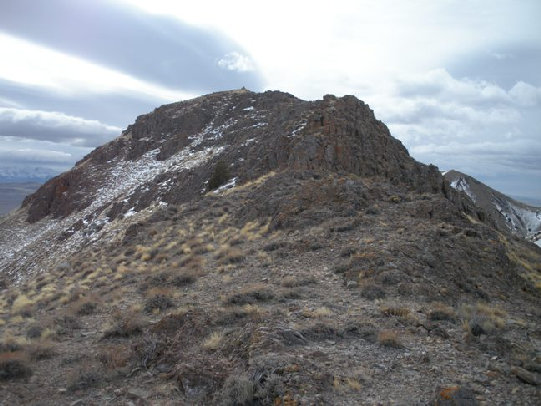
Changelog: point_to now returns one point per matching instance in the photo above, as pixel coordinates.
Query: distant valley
(12, 194)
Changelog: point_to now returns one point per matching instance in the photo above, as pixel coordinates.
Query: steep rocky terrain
(328, 267)
(519, 218)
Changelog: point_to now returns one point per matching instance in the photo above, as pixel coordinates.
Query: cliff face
(253, 133)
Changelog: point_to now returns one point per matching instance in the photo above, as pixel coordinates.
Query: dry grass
(440, 311)
(346, 383)
(393, 310)
(482, 318)
(125, 325)
(213, 341)
(294, 282)
(389, 338)
(322, 312)
(229, 255)
(22, 304)
(114, 356)
(251, 295)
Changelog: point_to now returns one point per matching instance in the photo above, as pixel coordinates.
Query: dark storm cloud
(155, 48)
(111, 108)
(52, 126)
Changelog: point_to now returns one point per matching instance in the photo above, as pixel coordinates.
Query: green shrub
(220, 175)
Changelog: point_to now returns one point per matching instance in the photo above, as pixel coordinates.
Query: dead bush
(389, 338)
(85, 308)
(114, 356)
(125, 325)
(38, 352)
(185, 278)
(65, 324)
(84, 379)
(372, 292)
(482, 318)
(294, 282)
(251, 296)
(395, 311)
(147, 350)
(440, 311)
(34, 331)
(238, 389)
(158, 303)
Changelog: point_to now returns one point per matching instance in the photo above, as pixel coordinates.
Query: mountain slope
(328, 268)
(166, 157)
(520, 218)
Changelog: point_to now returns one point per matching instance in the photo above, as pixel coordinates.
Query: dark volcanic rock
(253, 133)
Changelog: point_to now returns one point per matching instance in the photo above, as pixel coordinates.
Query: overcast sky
(459, 83)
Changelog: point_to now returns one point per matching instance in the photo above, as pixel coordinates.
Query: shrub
(147, 350)
(293, 282)
(184, 279)
(372, 292)
(389, 338)
(481, 319)
(238, 389)
(114, 357)
(440, 311)
(40, 351)
(83, 379)
(395, 311)
(66, 324)
(85, 308)
(34, 331)
(158, 303)
(220, 175)
(125, 326)
(13, 366)
(213, 341)
(251, 296)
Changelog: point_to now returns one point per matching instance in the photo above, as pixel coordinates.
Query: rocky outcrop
(255, 133)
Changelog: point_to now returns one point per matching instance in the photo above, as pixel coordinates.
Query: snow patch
(462, 185)
(227, 185)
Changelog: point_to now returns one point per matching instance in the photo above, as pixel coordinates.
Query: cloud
(470, 125)
(118, 109)
(236, 62)
(525, 94)
(151, 48)
(29, 64)
(502, 65)
(31, 159)
(54, 126)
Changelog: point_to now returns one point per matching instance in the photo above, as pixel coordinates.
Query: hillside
(245, 248)
(519, 218)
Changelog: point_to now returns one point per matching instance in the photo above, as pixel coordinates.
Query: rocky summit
(249, 248)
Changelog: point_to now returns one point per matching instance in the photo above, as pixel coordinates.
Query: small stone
(526, 376)
(62, 390)
(136, 393)
(78, 402)
(352, 284)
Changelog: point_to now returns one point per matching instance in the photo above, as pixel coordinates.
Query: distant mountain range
(13, 193)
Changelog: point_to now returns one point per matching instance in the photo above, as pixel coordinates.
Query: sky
(459, 83)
